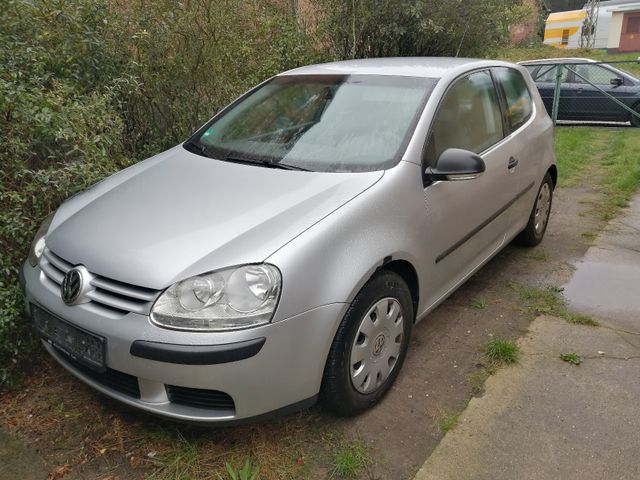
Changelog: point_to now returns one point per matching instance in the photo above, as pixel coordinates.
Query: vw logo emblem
(378, 344)
(71, 287)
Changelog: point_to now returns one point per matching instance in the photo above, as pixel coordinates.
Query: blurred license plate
(80, 345)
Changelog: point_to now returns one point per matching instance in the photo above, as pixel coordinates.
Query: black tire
(338, 392)
(532, 236)
(635, 119)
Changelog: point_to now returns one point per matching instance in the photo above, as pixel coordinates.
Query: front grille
(199, 398)
(112, 295)
(113, 379)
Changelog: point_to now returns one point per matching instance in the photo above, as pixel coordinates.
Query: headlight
(229, 299)
(38, 244)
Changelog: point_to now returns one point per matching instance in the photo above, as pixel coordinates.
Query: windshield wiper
(201, 149)
(263, 163)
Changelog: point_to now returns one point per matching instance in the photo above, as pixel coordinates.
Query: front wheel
(534, 231)
(370, 346)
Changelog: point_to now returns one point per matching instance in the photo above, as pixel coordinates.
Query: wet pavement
(606, 282)
(549, 419)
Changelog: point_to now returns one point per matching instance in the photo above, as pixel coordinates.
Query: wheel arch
(409, 274)
(553, 171)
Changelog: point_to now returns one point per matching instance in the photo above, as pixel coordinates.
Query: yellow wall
(556, 33)
(558, 23)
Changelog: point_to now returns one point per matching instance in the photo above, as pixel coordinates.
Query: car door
(520, 144)
(590, 103)
(464, 221)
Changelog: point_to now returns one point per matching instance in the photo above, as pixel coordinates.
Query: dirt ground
(82, 435)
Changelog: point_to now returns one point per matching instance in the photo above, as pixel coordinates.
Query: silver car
(284, 252)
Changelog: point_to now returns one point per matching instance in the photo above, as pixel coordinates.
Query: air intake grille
(199, 398)
(117, 297)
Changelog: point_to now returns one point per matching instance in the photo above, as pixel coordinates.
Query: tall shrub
(89, 86)
(377, 28)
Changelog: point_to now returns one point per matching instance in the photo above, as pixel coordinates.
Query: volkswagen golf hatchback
(284, 252)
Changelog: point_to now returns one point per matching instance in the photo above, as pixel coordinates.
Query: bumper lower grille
(113, 379)
(111, 295)
(199, 398)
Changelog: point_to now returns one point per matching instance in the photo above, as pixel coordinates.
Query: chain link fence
(588, 91)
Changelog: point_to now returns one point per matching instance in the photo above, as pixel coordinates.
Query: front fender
(331, 261)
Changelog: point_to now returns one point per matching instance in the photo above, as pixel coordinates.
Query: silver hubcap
(543, 206)
(377, 346)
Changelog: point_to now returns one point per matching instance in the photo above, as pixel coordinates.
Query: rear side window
(517, 95)
(547, 74)
(469, 117)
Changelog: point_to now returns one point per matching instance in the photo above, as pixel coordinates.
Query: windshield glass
(328, 123)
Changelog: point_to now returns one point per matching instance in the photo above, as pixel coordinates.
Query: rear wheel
(534, 231)
(369, 347)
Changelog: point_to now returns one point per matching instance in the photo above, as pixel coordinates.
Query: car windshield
(327, 123)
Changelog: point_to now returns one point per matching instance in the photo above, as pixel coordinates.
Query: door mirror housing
(456, 164)
(616, 81)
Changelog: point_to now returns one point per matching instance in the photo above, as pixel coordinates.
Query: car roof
(427, 67)
(556, 60)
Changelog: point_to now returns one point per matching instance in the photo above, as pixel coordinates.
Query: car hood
(179, 214)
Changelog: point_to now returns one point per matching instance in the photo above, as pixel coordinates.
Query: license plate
(82, 346)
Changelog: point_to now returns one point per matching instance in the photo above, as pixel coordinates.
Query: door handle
(513, 163)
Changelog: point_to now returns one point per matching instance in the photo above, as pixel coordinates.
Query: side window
(517, 95)
(595, 74)
(547, 74)
(469, 117)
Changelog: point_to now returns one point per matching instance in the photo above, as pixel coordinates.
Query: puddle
(607, 290)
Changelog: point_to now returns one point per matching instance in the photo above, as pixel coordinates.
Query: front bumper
(285, 371)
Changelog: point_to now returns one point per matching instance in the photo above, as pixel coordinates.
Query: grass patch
(181, 463)
(476, 380)
(548, 300)
(449, 421)
(496, 353)
(479, 303)
(247, 472)
(349, 459)
(607, 158)
(539, 254)
(580, 319)
(545, 300)
(275, 451)
(572, 358)
(501, 351)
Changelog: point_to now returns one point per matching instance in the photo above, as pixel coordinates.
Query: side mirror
(456, 164)
(616, 81)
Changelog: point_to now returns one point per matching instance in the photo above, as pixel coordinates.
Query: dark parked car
(581, 101)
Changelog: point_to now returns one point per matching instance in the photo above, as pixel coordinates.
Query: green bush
(60, 128)
(374, 28)
(89, 86)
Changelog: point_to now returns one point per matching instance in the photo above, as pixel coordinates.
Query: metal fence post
(556, 94)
